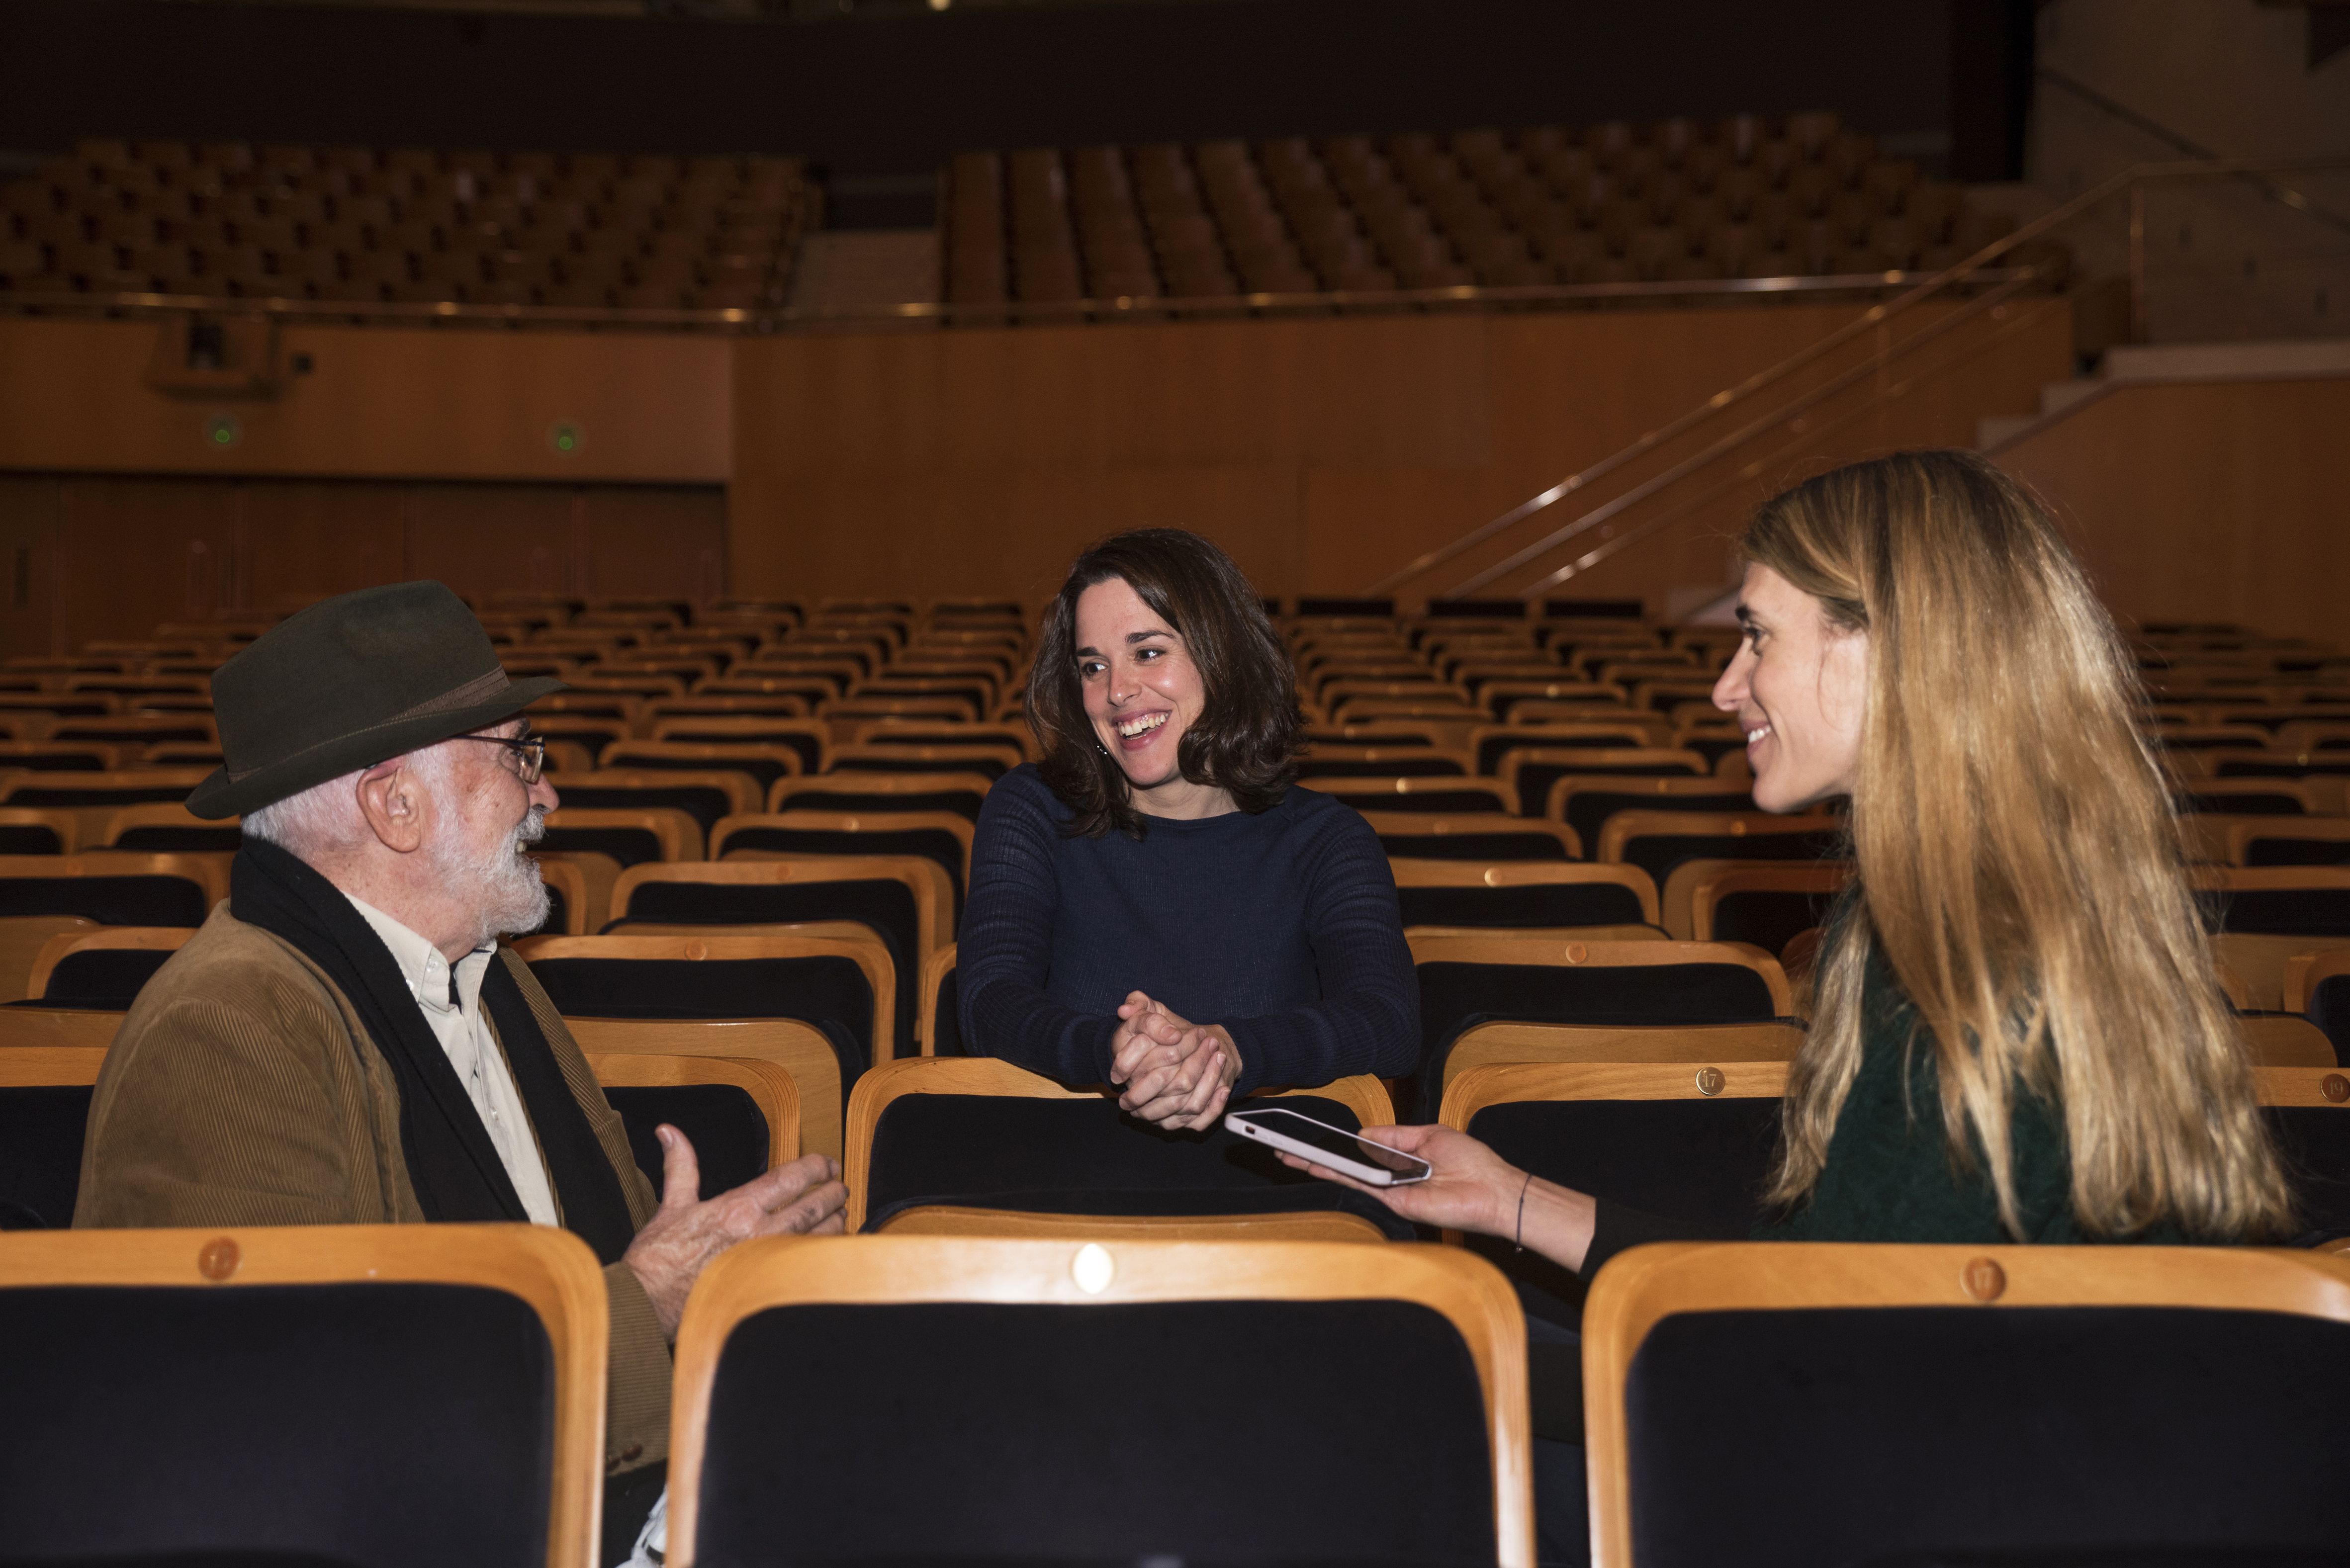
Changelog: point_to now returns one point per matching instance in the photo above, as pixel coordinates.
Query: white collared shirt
(474, 1051)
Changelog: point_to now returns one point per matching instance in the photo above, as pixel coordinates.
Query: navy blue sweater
(1282, 927)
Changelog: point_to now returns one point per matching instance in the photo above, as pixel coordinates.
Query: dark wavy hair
(1250, 732)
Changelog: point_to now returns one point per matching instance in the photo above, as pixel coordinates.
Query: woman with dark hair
(1154, 904)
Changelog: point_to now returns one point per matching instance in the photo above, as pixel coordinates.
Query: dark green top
(1889, 1175)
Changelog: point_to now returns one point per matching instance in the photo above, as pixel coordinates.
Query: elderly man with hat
(345, 1043)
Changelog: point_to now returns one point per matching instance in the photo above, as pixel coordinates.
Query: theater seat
(2308, 1110)
(940, 1030)
(1692, 1142)
(1483, 836)
(630, 836)
(836, 984)
(742, 1115)
(1503, 1044)
(167, 827)
(44, 1106)
(992, 762)
(28, 830)
(1469, 980)
(1762, 903)
(1397, 794)
(816, 1376)
(962, 793)
(94, 797)
(114, 887)
(2264, 916)
(23, 939)
(979, 1133)
(704, 796)
(340, 1395)
(905, 901)
(1658, 841)
(762, 763)
(746, 724)
(102, 969)
(1603, 902)
(796, 1050)
(1802, 1404)
(943, 837)
(1585, 801)
(2317, 986)
(2289, 841)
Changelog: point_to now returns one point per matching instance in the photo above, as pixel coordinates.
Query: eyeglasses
(530, 754)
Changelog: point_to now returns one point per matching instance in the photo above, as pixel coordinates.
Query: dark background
(876, 100)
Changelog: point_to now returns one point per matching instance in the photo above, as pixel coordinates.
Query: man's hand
(1176, 1073)
(804, 1198)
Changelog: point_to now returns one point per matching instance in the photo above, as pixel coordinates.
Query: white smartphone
(1349, 1154)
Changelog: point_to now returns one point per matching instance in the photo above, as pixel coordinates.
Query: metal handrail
(424, 311)
(2283, 195)
(1739, 437)
(1769, 461)
(773, 319)
(1969, 268)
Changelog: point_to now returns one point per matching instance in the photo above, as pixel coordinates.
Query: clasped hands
(1175, 1073)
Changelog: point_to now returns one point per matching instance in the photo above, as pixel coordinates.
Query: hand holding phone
(1333, 1148)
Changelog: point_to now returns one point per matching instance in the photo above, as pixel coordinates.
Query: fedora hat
(348, 682)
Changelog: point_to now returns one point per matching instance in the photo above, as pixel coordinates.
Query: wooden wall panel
(379, 402)
(28, 538)
(132, 553)
(116, 556)
(2212, 500)
(975, 461)
(301, 542)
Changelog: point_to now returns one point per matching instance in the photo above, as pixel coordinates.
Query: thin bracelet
(1521, 1212)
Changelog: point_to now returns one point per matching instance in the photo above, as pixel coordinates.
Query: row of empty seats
(302, 1356)
(407, 226)
(1679, 202)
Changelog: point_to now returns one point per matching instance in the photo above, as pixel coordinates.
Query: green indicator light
(566, 437)
(223, 431)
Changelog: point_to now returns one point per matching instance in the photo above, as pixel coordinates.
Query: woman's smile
(1136, 731)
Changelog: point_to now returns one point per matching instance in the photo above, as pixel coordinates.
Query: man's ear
(396, 806)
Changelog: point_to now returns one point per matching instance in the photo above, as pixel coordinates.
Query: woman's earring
(1102, 749)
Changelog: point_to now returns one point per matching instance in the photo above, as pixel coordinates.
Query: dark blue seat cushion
(729, 1133)
(1086, 1157)
(40, 1155)
(1030, 1428)
(1989, 1436)
(886, 906)
(107, 980)
(1457, 997)
(386, 1425)
(1531, 905)
(1700, 1163)
(132, 900)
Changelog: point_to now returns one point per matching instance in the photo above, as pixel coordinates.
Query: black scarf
(450, 1163)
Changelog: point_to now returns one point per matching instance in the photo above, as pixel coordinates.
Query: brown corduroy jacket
(242, 1089)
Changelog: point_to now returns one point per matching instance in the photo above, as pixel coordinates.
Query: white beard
(508, 890)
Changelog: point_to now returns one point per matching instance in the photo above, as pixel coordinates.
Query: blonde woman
(2020, 1034)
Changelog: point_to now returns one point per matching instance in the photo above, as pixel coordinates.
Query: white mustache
(531, 828)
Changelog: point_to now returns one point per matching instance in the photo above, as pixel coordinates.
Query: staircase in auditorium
(1650, 520)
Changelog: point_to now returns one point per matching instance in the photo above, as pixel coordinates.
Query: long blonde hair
(2018, 859)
